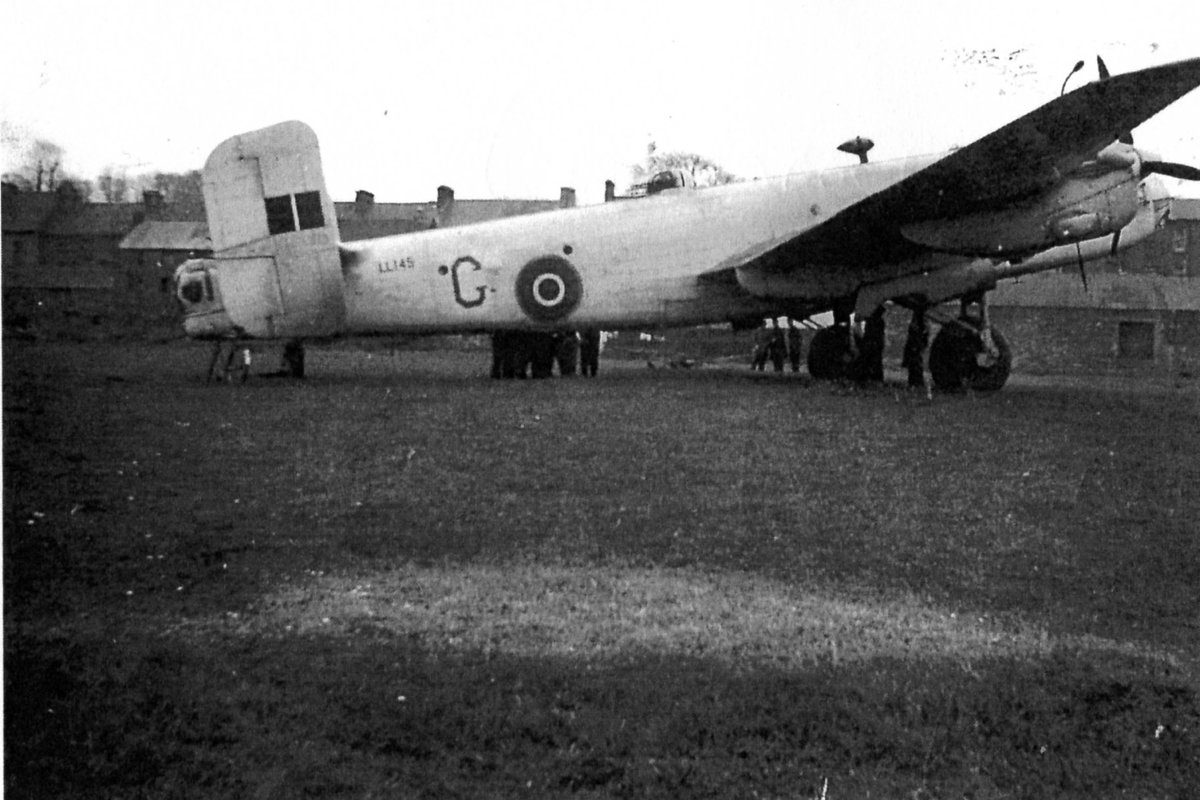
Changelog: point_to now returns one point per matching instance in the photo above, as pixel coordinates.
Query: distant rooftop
(158, 235)
(1185, 208)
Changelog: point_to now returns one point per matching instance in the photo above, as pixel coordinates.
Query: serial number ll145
(396, 264)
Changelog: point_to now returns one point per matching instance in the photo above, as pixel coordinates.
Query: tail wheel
(958, 361)
(829, 354)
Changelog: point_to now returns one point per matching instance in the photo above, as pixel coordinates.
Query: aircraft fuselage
(636, 261)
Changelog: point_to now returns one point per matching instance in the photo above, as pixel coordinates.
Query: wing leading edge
(1018, 161)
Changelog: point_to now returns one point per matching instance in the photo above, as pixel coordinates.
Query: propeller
(1168, 168)
(1172, 170)
(1125, 137)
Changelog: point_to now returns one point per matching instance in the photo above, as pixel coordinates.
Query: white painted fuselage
(639, 261)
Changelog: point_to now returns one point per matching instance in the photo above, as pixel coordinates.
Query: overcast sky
(517, 99)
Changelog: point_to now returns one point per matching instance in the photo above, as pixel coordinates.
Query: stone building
(103, 269)
(62, 260)
(1138, 311)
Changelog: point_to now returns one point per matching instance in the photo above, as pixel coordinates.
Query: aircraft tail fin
(274, 233)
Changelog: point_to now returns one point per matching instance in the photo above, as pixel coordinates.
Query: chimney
(445, 199)
(566, 197)
(152, 199)
(610, 191)
(364, 202)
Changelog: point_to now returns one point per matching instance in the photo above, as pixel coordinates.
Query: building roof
(355, 221)
(158, 235)
(1185, 208)
(392, 211)
(26, 212)
(372, 220)
(95, 219)
(469, 212)
(177, 212)
(181, 226)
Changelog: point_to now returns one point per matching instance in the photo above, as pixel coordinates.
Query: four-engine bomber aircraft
(1060, 184)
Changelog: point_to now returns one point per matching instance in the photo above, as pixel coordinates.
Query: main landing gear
(839, 352)
(968, 353)
(236, 368)
(230, 362)
(833, 350)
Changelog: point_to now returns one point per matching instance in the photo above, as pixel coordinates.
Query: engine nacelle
(1078, 227)
(938, 285)
(1082, 208)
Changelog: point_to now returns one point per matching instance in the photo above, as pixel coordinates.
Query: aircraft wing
(1020, 160)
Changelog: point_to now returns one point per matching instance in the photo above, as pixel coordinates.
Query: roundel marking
(548, 288)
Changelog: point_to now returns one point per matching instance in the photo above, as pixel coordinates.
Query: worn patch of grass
(665, 583)
(605, 612)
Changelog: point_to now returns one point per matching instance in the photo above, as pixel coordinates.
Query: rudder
(274, 233)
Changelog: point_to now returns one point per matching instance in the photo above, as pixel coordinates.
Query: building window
(1179, 239)
(308, 209)
(279, 215)
(1135, 341)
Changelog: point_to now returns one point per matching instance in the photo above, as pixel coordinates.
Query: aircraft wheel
(958, 363)
(293, 358)
(828, 354)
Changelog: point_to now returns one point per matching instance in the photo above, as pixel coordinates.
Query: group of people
(776, 345)
(535, 354)
(873, 341)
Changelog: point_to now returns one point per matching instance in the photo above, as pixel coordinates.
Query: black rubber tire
(828, 354)
(954, 361)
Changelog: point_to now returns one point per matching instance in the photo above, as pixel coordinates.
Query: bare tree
(18, 180)
(704, 171)
(46, 159)
(41, 167)
(74, 191)
(178, 187)
(113, 185)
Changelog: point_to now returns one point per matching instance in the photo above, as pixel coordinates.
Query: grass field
(401, 579)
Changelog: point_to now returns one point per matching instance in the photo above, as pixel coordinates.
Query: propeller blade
(1171, 170)
(1124, 137)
